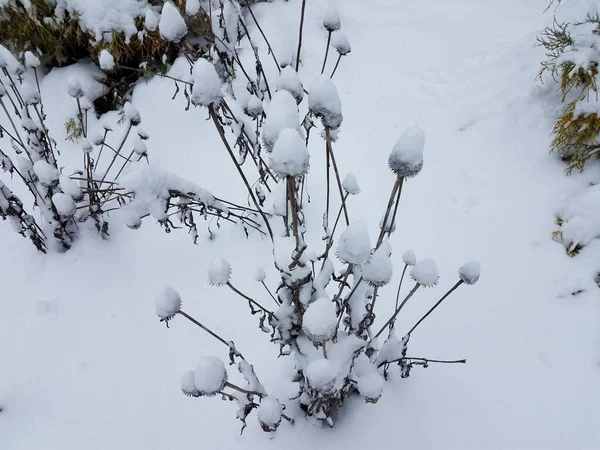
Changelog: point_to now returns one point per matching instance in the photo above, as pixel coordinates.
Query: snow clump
(425, 273)
(469, 272)
(219, 271)
(207, 85)
(188, 384)
(65, 206)
(106, 60)
(324, 101)
(270, 413)
(370, 385)
(290, 81)
(331, 20)
(340, 42)
(259, 274)
(46, 172)
(350, 184)
(289, 156)
(354, 246)
(321, 374)
(172, 27)
(409, 257)
(319, 322)
(210, 375)
(282, 113)
(406, 159)
(167, 302)
(379, 269)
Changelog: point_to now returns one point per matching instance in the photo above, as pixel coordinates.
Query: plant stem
(300, 35)
(426, 360)
(213, 115)
(212, 333)
(336, 65)
(389, 232)
(337, 173)
(271, 52)
(251, 300)
(384, 224)
(326, 52)
(269, 291)
(391, 319)
(450, 291)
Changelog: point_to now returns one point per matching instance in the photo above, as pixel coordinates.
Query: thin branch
(450, 291)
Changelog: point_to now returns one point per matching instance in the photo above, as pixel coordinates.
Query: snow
(269, 412)
(321, 374)
(254, 107)
(207, 86)
(340, 42)
(469, 272)
(46, 173)
(406, 159)
(331, 20)
(282, 113)
(290, 155)
(425, 273)
(65, 206)
(132, 114)
(167, 302)
(370, 385)
(319, 321)
(31, 60)
(409, 257)
(69, 187)
(172, 27)
(289, 80)
(354, 246)
(471, 84)
(350, 184)
(106, 60)
(188, 384)
(219, 271)
(581, 218)
(325, 102)
(210, 375)
(151, 20)
(259, 274)
(192, 7)
(139, 147)
(378, 270)
(86, 146)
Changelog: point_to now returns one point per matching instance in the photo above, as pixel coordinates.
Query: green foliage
(74, 129)
(576, 130)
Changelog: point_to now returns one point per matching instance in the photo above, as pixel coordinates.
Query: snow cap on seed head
(354, 246)
(379, 269)
(406, 159)
(260, 274)
(321, 374)
(74, 88)
(132, 114)
(390, 226)
(425, 273)
(270, 413)
(167, 302)
(289, 156)
(207, 85)
(31, 60)
(340, 42)
(409, 257)
(370, 385)
(324, 101)
(290, 81)
(219, 271)
(469, 272)
(350, 184)
(331, 20)
(210, 375)
(188, 385)
(319, 320)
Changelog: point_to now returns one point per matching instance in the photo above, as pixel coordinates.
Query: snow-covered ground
(85, 364)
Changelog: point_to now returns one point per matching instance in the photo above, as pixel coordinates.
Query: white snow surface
(106, 60)
(581, 217)
(207, 86)
(354, 246)
(319, 320)
(465, 71)
(290, 155)
(425, 272)
(167, 302)
(171, 26)
(210, 375)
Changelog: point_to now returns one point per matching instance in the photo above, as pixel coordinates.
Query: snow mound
(581, 218)
(219, 271)
(406, 159)
(46, 172)
(167, 302)
(151, 20)
(325, 102)
(355, 246)
(320, 321)
(289, 156)
(172, 27)
(210, 375)
(106, 60)
(207, 85)
(192, 7)
(65, 206)
(425, 273)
